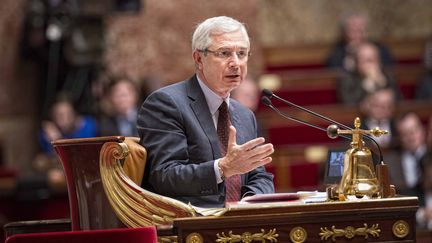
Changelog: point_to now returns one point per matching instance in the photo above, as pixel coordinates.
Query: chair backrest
(89, 207)
(103, 175)
(142, 235)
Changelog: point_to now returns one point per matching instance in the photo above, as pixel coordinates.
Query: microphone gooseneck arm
(269, 94)
(266, 101)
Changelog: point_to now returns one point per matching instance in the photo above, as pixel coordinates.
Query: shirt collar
(213, 100)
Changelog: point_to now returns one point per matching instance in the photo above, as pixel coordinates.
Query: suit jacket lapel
(199, 106)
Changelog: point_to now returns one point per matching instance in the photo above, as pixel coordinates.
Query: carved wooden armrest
(133, 205)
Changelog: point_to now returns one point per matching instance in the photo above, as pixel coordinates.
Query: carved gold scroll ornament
(248, 237)
(350, 232)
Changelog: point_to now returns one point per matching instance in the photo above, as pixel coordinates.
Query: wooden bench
(309, 87)
(312, 56)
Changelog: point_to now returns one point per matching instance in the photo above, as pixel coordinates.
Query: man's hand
(51, 131)
(243, 158)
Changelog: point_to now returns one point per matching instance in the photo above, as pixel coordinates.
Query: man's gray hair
(201, 38)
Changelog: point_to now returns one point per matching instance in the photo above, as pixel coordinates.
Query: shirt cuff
(217, 172)
(247, 194)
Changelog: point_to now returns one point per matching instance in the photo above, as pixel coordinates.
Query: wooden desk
(378, 220)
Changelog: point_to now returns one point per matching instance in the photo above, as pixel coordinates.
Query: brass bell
(359, 177)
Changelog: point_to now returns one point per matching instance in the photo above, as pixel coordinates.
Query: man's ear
(198, 60)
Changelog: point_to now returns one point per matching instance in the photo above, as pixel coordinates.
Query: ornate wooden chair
(103, 174)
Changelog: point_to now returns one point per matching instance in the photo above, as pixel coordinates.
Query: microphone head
(266, 101)
(267, 93)
(332, 131)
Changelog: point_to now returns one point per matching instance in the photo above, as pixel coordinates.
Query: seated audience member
(354, 32)
(202, 145)
(368, 76)
(424, 86)
(406, 163)
(378, 111)
(424, 213)
(248, 94)
(65, 122)
(429, 134)
(120, 117)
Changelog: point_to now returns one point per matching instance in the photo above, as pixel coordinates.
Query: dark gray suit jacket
(176, 128)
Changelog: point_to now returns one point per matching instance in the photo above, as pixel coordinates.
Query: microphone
(266, 101)
(270, 94)
(331, 129)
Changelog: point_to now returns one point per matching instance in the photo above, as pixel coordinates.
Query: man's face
(367, 59)
(355, 29)
(63, 115)
(123, 97)
(381, 105)
(411, 133)
(223, 74)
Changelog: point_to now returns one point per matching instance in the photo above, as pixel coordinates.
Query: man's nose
(234, 60)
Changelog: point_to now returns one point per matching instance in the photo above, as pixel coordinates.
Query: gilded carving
(167, 239)
(350, 232)
(134, 206)
(298, 235)
(194, 238)
(247, 237)
(400, 228)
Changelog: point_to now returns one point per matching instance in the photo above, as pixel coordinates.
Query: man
(248, 94)
(354, 31)
(378, 111)
(406, 164)
(120, 119)
(367, 77)
(184, 126)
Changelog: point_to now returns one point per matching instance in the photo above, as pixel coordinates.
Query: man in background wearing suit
(202, 145)
(407, 162)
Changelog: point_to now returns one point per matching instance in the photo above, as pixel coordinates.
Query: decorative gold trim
(194, 238)
(401, 228)
(248, 237)
(133, 205)
(350, 232)
(167, 239)
(298, 235)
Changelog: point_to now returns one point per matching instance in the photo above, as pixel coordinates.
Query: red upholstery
(299, 134)
(139, 235)
(304, 175)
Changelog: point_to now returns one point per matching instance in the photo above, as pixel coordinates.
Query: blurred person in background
(354, 31)
(424, 85)
(407, 162)
(378, 111)
(119, 116)
(429, 134)
(64, 123)
(248, 94)
(367, 77)
(424, 213)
